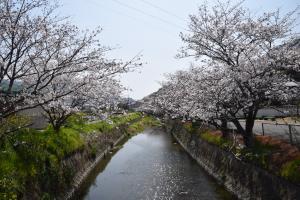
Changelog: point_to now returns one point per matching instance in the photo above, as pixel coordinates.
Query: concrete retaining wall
(243, 179)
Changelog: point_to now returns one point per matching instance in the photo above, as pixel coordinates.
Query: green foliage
(140, 125)
(13, 123)
(8, 188)
(188, 127)
(65, 142)
(259, 154)
(195, 127)
(215, 139)
(93, 152)
(77, 122)
(121, 119)
(135, 128)
(31, 156)
(291, 170)
(151, 121)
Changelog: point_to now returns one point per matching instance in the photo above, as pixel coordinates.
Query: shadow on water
(150, 165)
(219, 189)
(100, 167)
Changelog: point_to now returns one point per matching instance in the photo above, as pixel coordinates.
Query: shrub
(188, 126)
(31, 156)
(140, 125)
(291, 170)
(259, 154)
(215, 139)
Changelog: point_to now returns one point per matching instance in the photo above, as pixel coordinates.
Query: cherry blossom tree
(83, 92)
(195, 94)
(211, 94)
(38, 49)
(249, 51)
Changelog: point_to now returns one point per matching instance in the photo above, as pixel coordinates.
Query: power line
(163, 10)
(149, 15)
(134, 18)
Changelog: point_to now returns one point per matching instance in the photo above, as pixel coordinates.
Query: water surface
(151, 166)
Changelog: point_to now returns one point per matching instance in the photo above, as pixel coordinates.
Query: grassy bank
(273, 155)
(31, 159)
(139, 126)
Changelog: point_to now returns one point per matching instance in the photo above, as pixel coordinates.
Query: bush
(140, 125)
(8, 188)
(291, 170)
(121, 119)
(188, 126)
(215, 139)
(31, 156)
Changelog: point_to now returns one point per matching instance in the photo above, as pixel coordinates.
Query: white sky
(151, 26)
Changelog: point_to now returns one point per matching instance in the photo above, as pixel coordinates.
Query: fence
(287, 132)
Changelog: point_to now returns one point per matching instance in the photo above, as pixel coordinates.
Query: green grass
(77, 122)
(188, 127)
(13, 123)
(118, 120)
(215, 139)
(140, 125)
(261, 155)
(258, 154)
(31, 156)
(291, 170)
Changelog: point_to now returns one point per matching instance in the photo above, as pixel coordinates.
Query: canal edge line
(80, 178)
(242, 179)
(203, 165)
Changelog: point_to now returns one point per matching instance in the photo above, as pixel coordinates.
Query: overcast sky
(150, 26)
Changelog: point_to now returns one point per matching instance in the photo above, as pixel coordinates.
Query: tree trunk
(248, 140)
(248, 135)
(56, 127)
(245, 132)
(224, 128)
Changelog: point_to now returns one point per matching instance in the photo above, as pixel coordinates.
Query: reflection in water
(150, 166)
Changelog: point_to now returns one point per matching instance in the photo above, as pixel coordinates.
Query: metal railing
(284, 131)
(287, 132)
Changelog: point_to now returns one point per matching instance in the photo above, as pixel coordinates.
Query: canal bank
(89, 165)
(46, 164)
(150, 165)
(245, 180)
(83, 163)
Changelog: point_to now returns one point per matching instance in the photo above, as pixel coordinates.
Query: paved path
(273, 129)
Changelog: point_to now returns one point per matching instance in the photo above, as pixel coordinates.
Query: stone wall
(243, 179)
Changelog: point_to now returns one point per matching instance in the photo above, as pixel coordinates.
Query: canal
(150, 166)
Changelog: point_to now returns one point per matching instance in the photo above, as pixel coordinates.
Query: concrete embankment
(84, 162)
(243, 179)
